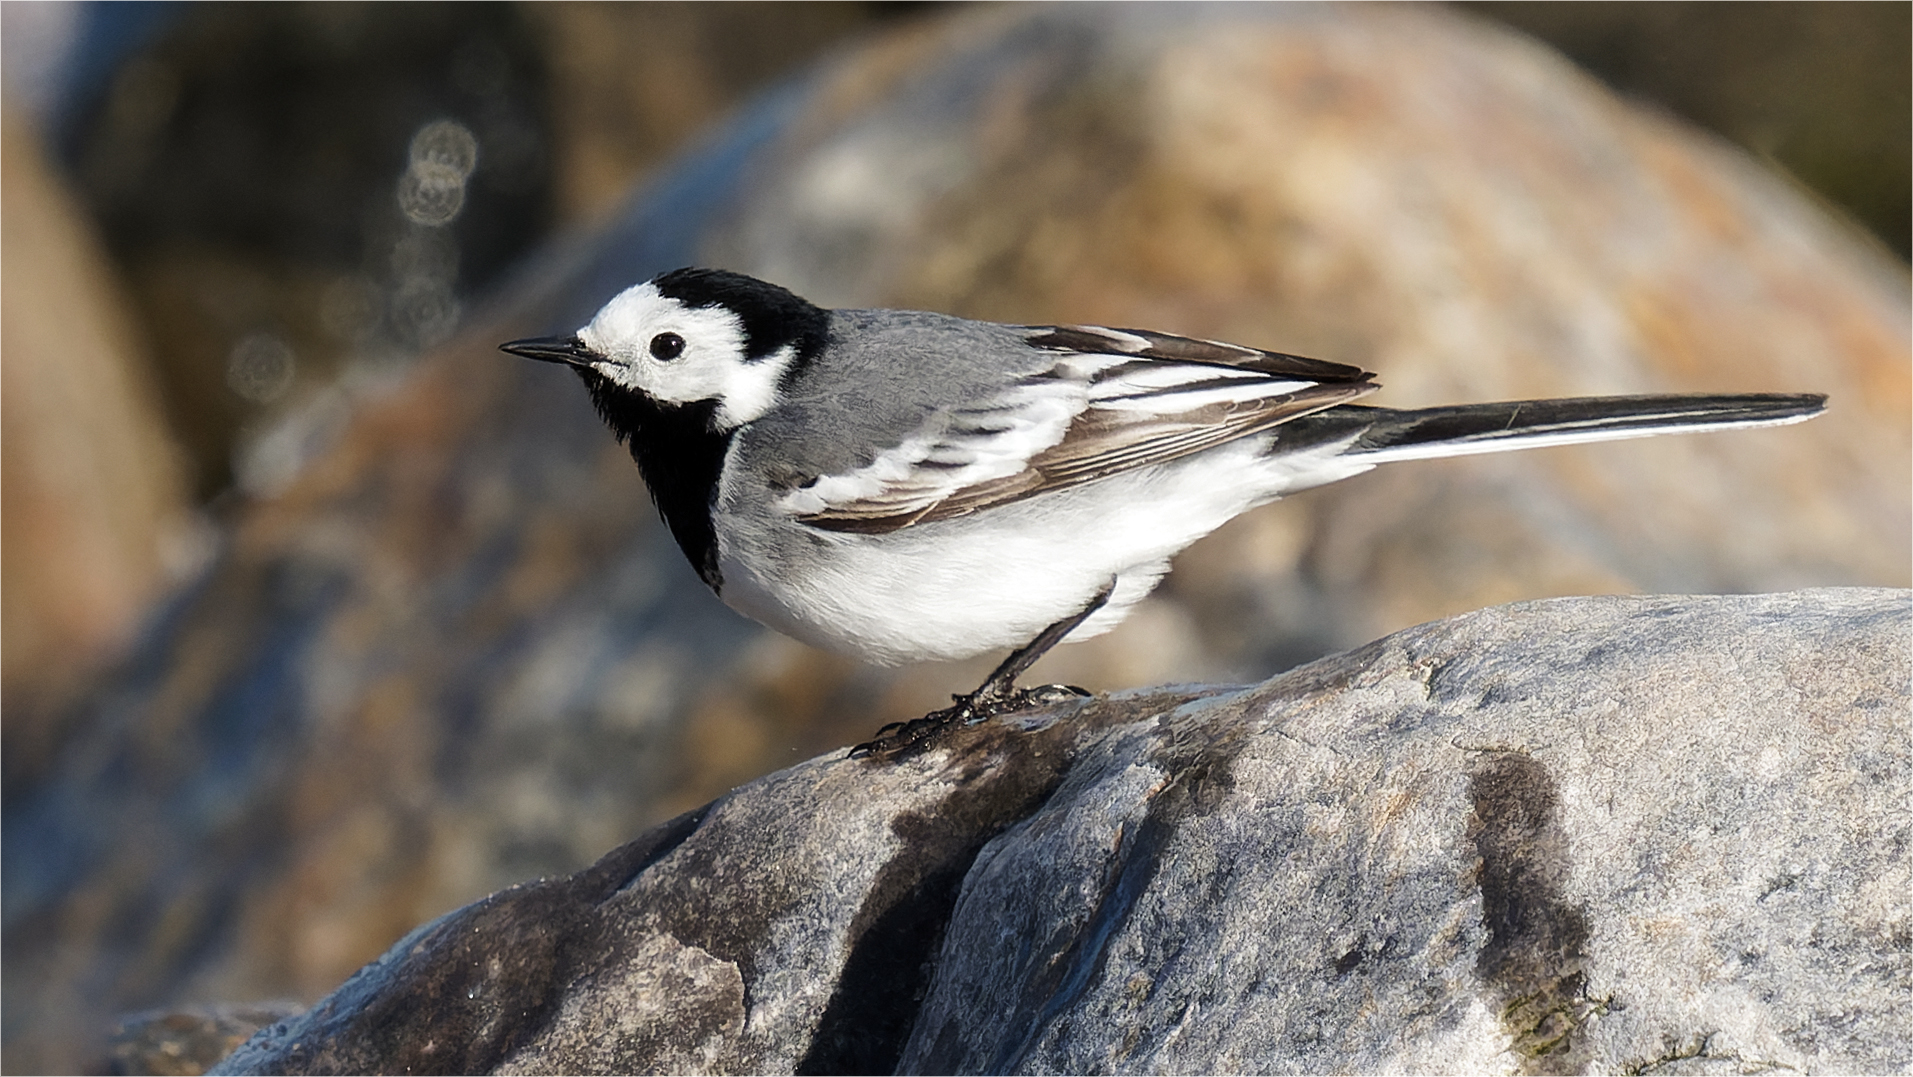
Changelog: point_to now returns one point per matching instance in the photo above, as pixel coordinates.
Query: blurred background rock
(308, 640)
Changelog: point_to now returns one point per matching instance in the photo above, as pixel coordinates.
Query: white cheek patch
(752, 387)
(711, 366)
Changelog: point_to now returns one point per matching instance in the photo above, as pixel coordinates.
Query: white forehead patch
(711, 366)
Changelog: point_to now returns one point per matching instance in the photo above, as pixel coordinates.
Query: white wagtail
(900, 485)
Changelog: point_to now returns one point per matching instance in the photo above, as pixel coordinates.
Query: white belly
(991, 581)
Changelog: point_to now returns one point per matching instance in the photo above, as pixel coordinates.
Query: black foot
(903, 739)
(997, 695)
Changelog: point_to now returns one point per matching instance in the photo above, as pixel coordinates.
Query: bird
(904, 485)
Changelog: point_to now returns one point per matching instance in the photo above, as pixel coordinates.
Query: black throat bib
(680, 458)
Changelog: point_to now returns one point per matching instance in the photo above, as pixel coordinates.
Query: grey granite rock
(1643, 835)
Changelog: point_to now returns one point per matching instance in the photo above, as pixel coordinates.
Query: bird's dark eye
(667, 346)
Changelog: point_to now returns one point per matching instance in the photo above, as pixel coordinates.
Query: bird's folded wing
(1113, 400)
(1145, 344)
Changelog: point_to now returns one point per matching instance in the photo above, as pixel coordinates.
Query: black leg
(997, 694)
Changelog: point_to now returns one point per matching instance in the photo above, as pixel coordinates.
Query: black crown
(773, 317)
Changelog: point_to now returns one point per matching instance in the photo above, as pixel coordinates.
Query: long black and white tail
(1387, 435)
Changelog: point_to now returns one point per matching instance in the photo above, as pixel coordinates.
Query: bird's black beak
(552, 350)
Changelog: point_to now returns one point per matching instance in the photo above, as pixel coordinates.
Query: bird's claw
(902, 739)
